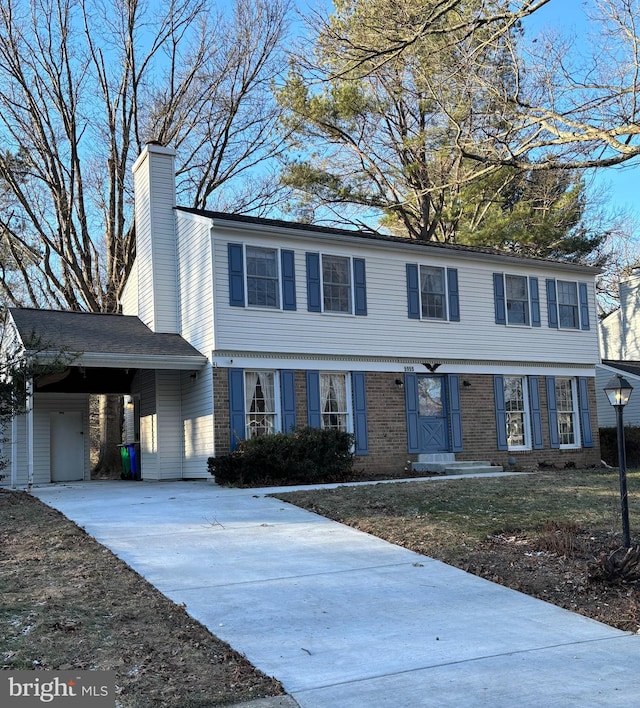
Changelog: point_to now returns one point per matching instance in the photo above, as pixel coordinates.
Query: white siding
(197, 422)
(129, 299)
(195, 271)
(387, 331)
(145, 386)
(154, 176)
(44, 405)
(606, 412)
(169, 438)
(19, 459)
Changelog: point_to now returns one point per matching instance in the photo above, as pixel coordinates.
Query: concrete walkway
(344, 619)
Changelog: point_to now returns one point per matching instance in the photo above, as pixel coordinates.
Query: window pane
(568, 312)
(566, 412)
(517, 299)
(516, 411)
(433, 292)
(430, 401)
(260, 403)
(262, 277)
(333, 398)
(336, 283)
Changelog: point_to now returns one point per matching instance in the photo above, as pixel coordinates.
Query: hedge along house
(426, 352)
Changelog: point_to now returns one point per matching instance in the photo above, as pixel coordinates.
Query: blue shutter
(358, 384)
(585, 416)
(314, 303)
(552, 303)
(584, 305)
(288, 400)
(536, 413)
(534, 294)
(552, 409)
(287, 260)
(236, 407)
(413, 291)
(360, 286)
(412, 405)
(454, 298)
(501, 413)
(236, 274)
(314, 418)
(455, 413)
(498, 298)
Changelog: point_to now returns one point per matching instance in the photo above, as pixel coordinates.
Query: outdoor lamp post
(618, 392)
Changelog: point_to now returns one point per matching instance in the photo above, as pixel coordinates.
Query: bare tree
(576, 101)
(83, 85)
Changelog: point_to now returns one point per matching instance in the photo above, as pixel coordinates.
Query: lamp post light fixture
(618, 392)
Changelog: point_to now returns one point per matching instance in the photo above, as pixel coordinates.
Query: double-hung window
(568, 311)
(261, 416)
(261, 277)
(568, 304)
(567, 411)
(516, 406)
(334, 411)
(336, 283)
(516, 299)
(263, 283)
(433, 292)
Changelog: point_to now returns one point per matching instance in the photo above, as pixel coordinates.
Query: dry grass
(69, 603)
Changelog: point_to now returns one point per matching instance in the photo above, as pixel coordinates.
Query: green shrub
(304, 456)
(609, 445)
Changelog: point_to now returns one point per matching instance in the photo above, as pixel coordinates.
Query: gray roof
(629, 367)
(120, 339)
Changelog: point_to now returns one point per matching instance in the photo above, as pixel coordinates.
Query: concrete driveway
(343, 619)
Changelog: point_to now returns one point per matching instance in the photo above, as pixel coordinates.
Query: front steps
(445, 463)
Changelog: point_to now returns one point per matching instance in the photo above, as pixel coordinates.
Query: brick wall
(387, 432)
(480, 435)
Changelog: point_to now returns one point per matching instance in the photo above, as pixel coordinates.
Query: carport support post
(622, 467)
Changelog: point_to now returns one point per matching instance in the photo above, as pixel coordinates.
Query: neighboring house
(247, 326)
(620, 352)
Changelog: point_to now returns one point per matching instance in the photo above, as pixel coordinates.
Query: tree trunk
(109, 464)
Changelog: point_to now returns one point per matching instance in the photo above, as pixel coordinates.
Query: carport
(106, 354)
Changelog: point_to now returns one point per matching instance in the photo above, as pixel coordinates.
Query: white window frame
(276, 427)
(575, 306)
(278, 277)
(350, 288)
(348, 412)
(507, 300)
(573, 412)
(444, 294)
(525, 413)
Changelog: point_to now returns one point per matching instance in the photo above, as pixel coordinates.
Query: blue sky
(622, 182)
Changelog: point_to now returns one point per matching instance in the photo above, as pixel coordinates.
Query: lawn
(545, 534)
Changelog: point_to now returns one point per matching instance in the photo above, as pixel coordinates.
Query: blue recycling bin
(133, 460)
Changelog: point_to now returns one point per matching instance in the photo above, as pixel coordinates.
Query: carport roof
(106, 340)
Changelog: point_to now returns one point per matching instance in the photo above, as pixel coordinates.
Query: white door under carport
(67, 446)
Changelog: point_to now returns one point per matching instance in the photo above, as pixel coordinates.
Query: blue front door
(433, 424)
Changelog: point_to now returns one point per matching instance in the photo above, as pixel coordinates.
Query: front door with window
(433, 428)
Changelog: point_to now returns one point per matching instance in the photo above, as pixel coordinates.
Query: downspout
(14, 451)
(29, 414)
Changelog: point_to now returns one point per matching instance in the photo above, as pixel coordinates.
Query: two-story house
(243, 326)
(620, 352)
